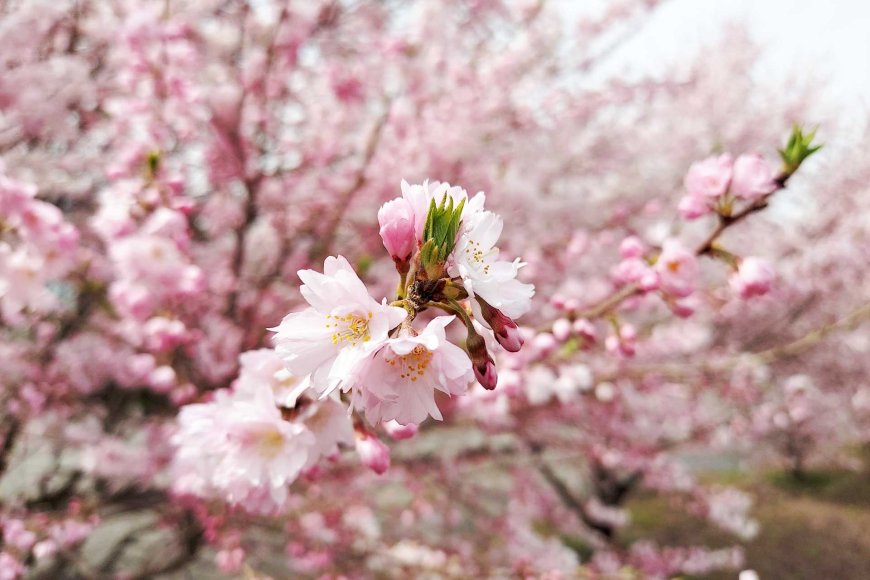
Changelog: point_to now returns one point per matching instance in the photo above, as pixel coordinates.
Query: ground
(815, 528)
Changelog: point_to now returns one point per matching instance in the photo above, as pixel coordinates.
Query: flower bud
(481, 361)
(505, 329)
(623, 343)
(692, 207)
(586, 330)
(683, 308)
(398, 233)
(398, 431)
(544, 345)
(372, 452)
(562, 329)
(486, 374)
(754, 277)
(632, 247)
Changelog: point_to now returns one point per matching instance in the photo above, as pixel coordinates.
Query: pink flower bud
(682, 308)
(586, 330)
(692, 207)
(624, 343)
(398, 431)
(709, 178)
(481, 361)
(398, 232)
(635, 271)
(372, 452)
(557, 301)
(753, 177)
(9, 566)
(505, 329)
(544, 344)
(632, 247)
(562, 329)
(754, 277)
(486, 374)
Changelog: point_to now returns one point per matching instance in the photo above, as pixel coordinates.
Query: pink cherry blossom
(677, 268)
(342, 326)
(753, 177)
(399, 381)
(754, 277)
(239, 448)
(709, 179)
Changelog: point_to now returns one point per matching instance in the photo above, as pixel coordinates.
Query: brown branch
(572, 502)
(9, 439)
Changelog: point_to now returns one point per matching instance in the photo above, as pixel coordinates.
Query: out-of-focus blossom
(677, 268)
(753, 177)
(373, 453)
(709, 179)
(754, 277)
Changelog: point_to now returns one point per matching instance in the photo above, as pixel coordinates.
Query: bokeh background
(168, 166)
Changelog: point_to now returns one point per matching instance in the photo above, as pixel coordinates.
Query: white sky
(830, 39)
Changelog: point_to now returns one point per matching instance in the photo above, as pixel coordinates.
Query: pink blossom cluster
(714, 184)
(37, 246)
(346, 354)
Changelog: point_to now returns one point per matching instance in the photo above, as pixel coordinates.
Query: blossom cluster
(36, 246)
(348, 354)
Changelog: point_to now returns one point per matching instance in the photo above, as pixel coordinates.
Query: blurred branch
(814, 337)
(12, 431)
(324, 246)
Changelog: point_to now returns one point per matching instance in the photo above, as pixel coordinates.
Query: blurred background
(167, 166)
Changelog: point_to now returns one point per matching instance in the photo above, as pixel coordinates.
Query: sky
(828, 40)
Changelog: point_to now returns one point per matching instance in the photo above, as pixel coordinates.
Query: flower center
(473, 253)
(674, 266)
(351, 328)
(270, 443)
(414, 364)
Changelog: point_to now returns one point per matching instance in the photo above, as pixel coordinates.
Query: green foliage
(439, 235)
(798, 148)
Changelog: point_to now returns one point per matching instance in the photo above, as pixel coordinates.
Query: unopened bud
(586, 330)
(505, 329)
(481, 361)
(562, 329)
(486, 374)
(372, 452)
(544, 345)
(396, 219)
(398, 431)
